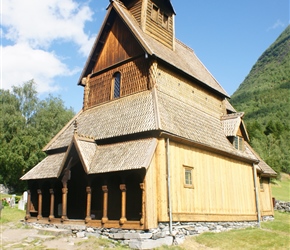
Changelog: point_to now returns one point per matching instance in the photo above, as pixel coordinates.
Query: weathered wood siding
(151, 192)
(119, 46)
(189, 92)
(134, 78)
(155, 28)
(223, 189)
(136, 11)
(266, 197)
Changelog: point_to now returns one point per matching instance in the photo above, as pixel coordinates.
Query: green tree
(26, 126)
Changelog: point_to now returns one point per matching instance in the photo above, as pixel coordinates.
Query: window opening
(154, 13)
(238, 143)
(188, 176)
(165, 21)
(117, 85)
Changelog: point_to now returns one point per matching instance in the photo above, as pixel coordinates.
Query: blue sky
(49, 40)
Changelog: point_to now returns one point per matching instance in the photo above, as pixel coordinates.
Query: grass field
(281, 189)
(272, 235)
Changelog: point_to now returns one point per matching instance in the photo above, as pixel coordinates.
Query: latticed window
(188, 176)
(116, 85)
(238, 143)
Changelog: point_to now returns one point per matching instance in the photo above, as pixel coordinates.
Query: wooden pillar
(89, 203)
(39, 216)
(28, 205)
(51, 213)
(123, 205)
(105, 204)
(64, 202)
(142, 186)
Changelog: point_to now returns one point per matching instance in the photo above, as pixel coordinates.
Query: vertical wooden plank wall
(161, 181)
(223, 188)
(151, 192)
(119, 46)
(266, 198)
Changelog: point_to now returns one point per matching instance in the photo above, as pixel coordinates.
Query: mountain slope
(264, 96)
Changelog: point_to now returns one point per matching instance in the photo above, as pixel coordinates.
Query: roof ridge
(184, 45)
(233, 115)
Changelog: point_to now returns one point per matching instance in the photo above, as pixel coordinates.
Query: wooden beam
(39, 216)
(123, 218)
(51, 214)
(89, 203)
(105, 204)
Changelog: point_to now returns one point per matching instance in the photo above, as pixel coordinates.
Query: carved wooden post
(142, 186)
(64, 202)
(123, 205)
(28, 205)
(39, 216)
(105, 204)
(89, 203)
(51, 213)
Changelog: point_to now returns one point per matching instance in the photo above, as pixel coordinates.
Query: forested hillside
(264, 96)
(27, 124)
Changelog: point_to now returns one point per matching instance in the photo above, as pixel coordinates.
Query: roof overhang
(96, 159)
(48, 168)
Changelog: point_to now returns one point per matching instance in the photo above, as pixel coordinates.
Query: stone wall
(149, 239)
(282, 206)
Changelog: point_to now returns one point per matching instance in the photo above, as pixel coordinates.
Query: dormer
(235, 129)
(155, 17)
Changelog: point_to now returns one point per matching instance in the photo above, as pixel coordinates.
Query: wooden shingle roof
(122, 156)
(97, 159)
(149, 111)
(231, 124)
(49, 167)
(182, 57)
(188, 122)
(266, 170)
(120, 117)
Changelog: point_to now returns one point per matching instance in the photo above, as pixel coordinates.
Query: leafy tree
(26, 126)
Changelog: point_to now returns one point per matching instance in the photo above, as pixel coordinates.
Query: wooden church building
(156, 139)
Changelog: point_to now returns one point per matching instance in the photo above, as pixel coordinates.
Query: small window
(165, 21)
(261, 184)
(188, 177)
(238, 143)
(154, 13)
(116, 85)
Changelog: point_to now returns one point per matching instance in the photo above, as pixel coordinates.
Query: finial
(75, 126)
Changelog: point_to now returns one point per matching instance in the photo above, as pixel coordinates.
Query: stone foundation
(149, 239)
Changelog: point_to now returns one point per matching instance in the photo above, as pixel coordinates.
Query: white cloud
(39, 23)
(32, 28)
(276, 25)
(22, 63)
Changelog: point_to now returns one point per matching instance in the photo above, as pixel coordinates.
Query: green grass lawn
(272, 235)
(9, 214)
(281, 189)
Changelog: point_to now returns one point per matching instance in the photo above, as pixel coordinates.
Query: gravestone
(12, 201)
(1, 207)
(24, 196)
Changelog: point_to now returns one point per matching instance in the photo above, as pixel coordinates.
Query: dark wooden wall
(134, 78)
(156, 30)
(119, 46)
